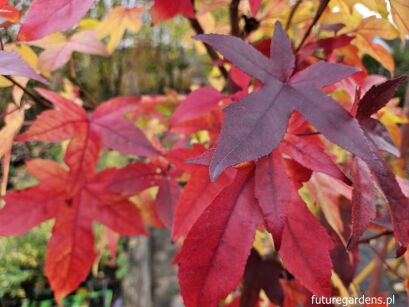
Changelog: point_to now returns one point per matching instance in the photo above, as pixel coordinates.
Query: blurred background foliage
(152, 61)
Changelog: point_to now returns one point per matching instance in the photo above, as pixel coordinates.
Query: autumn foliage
(272, 177)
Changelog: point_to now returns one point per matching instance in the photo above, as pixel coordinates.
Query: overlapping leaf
(212, 258)
(363, 200)
(215, 252)
(48, 16)
(117, 22)
(11, 64)
(373, 100)
(198, 193)
(163, 10)
(263, 115)
(70, 251)
(136, 177)
(59, 49)
(106, 127)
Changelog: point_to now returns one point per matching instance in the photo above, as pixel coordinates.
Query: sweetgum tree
(272, 178)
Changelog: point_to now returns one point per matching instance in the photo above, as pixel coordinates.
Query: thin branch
(234, 18)
(40, 100)
(196, 26)
(387, 266)
(308, 133)
(292, 13)
(376, 277)
(321, 9)
(74, 79)
(44, 102)
(378, 235)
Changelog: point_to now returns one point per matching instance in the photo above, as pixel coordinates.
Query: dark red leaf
(305, 250)
(256, 124)
(163, 10)
(261, 274)
(196, 104)
(214, 254)
(273, 191)
(363, 200)
(377, 97)
(312, 156)
(166, 200)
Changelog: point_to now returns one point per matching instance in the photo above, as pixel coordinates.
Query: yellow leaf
(263, 242)
(50, 41)
(88, 24)
(339, 284)
(59, 49)
(216, 79)
(378, 52)
(117, 22)
(400, 15)
(373, 26)
(382, 8)
(4, 82)
(28, 55)
(13, 122)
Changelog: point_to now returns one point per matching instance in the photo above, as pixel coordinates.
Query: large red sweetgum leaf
(214, 254)
(70, 251)
(255, 125)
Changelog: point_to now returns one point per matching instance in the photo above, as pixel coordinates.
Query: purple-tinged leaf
(363, 200)
(11, 64)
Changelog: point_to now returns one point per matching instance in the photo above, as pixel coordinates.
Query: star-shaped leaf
(70, 251)
(256, 124)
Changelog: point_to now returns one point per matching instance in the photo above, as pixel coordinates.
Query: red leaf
(377, 97)
(198, 193)
(70, 251)
(48, 16)
(311, 156)
(196, 196)
(58, 124)
(254, 6)
(82, 157)
(196, 104)
(163, 10)
(166, 200)
(214, 254)
(107, 127)
(134, 178)
(305, 250)
(261, 274)
(59, 52)
(255, 125)
(11, 64)
(36, 204)
(363, 200)
(264, 114)
(273, 191)
(9, 14)
(137, 177)
(117, 132)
